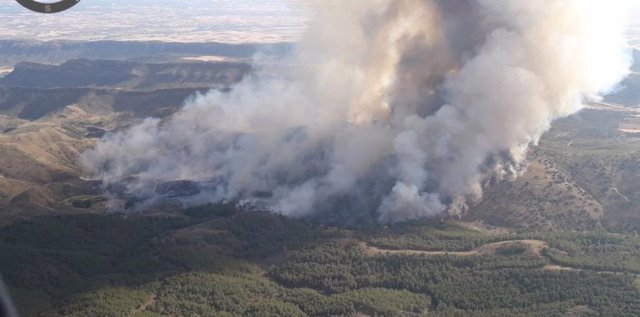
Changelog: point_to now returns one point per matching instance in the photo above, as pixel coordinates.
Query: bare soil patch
(534, 246)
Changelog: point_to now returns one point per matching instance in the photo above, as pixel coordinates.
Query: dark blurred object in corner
(6, 305)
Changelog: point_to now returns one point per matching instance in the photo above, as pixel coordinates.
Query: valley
(560, 240)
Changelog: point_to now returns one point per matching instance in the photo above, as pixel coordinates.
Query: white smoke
(399, 107)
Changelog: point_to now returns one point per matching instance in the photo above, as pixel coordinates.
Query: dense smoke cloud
(404, 108)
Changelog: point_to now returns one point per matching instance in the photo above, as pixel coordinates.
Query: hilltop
(561, 240)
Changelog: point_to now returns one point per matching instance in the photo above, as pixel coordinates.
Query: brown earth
(534, 246)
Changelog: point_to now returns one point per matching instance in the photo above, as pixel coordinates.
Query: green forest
(216, 261)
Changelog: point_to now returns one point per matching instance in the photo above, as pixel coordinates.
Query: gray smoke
(400, 107)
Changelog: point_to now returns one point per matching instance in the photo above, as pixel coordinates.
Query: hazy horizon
(229, 21)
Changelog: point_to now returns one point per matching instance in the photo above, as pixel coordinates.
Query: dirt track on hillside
(535, 246)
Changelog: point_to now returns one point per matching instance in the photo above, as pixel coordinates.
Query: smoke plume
(402, 108)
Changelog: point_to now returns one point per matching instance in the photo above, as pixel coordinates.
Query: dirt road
(535, 246)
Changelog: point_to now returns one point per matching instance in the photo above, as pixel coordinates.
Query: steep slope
(545, 196)
(123, 74)
(38, 169)
(44, 127)
(584, 174)
(630, 95)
